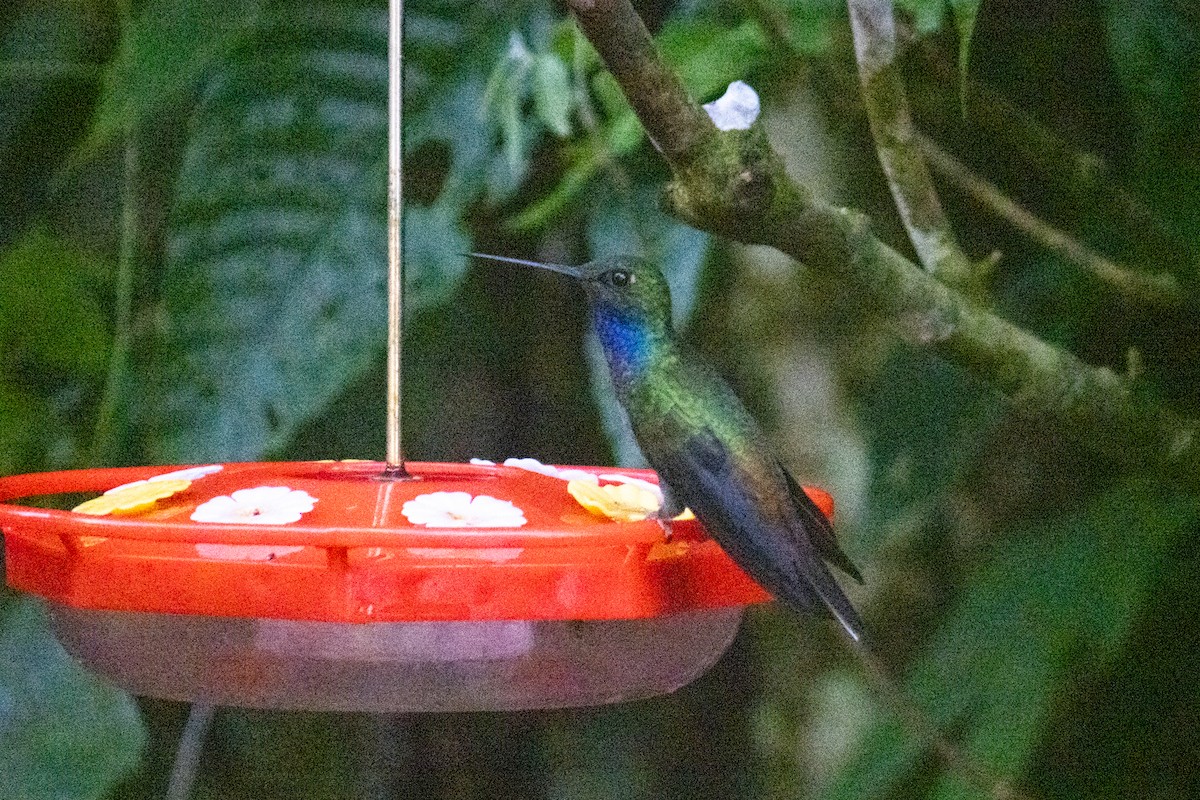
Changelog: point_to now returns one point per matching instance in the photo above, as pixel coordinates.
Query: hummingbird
(709, 453)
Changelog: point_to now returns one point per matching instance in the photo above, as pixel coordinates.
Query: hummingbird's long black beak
(574, 272)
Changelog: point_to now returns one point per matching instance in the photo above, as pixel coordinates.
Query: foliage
(63, 733)
(217, 171)
(1062, 594)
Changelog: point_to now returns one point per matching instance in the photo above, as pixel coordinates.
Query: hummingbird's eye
(620, 278)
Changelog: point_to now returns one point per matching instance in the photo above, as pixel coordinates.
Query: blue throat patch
(627, 340)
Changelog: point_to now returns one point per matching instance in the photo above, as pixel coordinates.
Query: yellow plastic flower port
(131, 497)
(623, 502)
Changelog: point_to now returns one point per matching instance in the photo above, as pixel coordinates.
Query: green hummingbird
(709, 453)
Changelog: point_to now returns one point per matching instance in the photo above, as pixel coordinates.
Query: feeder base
(395, 667)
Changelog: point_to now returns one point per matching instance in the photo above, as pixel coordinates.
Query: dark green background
(191, 269)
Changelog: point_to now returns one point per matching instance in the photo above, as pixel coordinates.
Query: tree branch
(874, 26)
(1084, 174)
(675, 124)
(1159, 290)
(732, 183)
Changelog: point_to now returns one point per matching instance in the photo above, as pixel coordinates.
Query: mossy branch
(734, 184)
(874, 26)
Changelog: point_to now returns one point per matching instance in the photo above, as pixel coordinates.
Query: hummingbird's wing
(819, 529)
(753, 519)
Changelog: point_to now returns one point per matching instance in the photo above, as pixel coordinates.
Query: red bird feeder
(321, 585)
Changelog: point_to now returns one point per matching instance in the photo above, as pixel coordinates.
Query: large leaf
(1155, 46)
(64, 734)
(44, 87)
(165, 53)
(274, 298)
(49, 313)
(275, 288)
(1062, 594)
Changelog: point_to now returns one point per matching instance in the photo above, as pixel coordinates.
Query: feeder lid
(332, 541)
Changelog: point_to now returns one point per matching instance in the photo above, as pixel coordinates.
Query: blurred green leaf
(275, 283)
(274, 295)
(46, 83)
(1155, 46)
(815, 24)
(965, 12)
(709, 56)
(926, 421)
(1061, 595)
(167, 50)
(64, 734)
(527, 78)
(552, 94)
(21, 427)
(505, 95)
(456, 50)
(41, 44)
(49, 312)
(619, 138)
(55, 344)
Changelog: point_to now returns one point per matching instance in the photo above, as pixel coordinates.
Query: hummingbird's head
(624, 285)
(631, 309)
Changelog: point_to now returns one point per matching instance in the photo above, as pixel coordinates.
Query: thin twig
(105, 438)
(1057, 160)
(187, 755)
(1162, 289)
(921, 726)
(874, 26)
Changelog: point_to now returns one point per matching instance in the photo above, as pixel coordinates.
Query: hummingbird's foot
(665, 521)
(670, 509)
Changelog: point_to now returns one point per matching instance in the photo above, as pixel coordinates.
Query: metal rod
(187, 754)
(395, 447)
